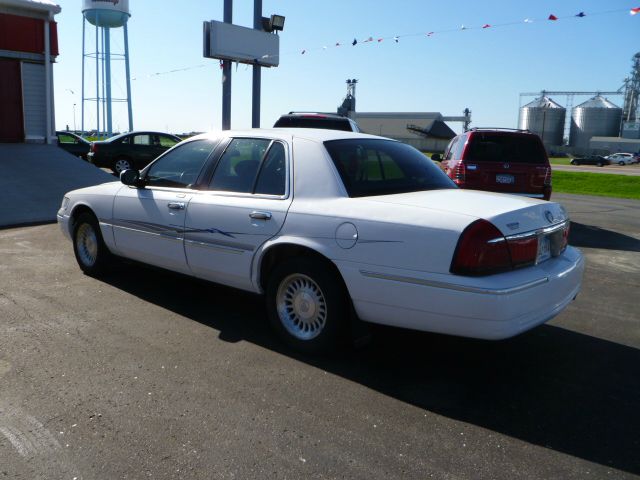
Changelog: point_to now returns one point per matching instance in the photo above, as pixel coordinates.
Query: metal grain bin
(544, 117)
(597, 117)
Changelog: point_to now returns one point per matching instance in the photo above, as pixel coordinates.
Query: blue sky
(483, 69)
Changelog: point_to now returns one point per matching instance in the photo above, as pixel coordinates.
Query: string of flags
(396, 38)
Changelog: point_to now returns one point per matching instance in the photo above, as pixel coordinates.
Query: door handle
(261, 215)
(176, 205)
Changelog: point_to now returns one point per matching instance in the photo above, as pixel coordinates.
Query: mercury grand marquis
(325, 223)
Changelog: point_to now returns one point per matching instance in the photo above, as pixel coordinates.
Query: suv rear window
(314, 122)
(505, 148)
(384, 167)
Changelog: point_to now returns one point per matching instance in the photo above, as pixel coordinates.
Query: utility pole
(226, 74)
(257, 69)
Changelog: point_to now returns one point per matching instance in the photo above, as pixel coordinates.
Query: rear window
(370, 167)
(498, 147)
(314, 122)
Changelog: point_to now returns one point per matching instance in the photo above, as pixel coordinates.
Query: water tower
(105, 15)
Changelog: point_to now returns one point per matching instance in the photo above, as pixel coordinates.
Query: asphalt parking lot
(148, 374)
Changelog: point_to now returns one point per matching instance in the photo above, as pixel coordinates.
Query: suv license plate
(544, 249)
(504, 179)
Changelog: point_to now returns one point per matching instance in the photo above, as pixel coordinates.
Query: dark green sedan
(130, 150)
(74, 144)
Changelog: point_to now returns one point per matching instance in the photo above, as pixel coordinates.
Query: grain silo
(544, 117)
(597, 117)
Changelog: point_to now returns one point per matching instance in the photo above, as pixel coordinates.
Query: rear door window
(238, 167)
(505, 148)
(451, 149)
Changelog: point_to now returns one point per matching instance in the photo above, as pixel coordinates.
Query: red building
(28, 47)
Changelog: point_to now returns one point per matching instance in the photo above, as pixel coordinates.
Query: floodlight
(275, 23)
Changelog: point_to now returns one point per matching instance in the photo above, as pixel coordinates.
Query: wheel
(575, 162)
(121, 164)
(600, 164)
(89, 248)
(307, 306)
(621, 163)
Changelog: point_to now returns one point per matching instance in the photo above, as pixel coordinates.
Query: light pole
(74, 118)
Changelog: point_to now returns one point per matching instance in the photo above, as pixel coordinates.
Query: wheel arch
(79, 209)
(274, 253)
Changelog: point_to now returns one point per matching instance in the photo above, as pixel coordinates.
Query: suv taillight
(547, 177)
(459, 173)
(93, 148)
(483, 250)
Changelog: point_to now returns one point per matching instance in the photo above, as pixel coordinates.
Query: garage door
(11, 123)
(35, 101)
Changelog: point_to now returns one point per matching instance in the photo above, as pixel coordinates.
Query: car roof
(138, 132)
(314, 134)
(333, 116)
(501, 131)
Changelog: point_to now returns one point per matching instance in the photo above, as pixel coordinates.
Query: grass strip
(599, 184)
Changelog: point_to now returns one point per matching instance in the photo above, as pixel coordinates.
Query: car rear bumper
(494, 307)
(98, 161)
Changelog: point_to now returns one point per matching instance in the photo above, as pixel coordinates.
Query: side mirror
(130, 178)
(436, 157)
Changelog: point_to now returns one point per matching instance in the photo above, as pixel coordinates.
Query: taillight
(565, 236)
(523, 250)
(93, 147)
(481, 250)
(459, 173)
(547, 176)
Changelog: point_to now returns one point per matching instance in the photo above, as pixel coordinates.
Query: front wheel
(89, 248)
(307, 306)
(600, 164)
(621, 163)
(575, 162)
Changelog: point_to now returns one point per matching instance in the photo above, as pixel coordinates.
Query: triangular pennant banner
(634, 11)
(552, 17)
(581, 14)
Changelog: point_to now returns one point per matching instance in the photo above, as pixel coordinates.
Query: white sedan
(326, 224)
(622, 159)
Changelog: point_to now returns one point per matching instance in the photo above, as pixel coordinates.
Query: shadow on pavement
(551, 387)
(590, 236)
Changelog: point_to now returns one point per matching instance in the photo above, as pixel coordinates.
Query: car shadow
(589, 236)
(551, 387)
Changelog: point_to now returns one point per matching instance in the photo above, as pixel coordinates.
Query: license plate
(544, 249)
(504, 179)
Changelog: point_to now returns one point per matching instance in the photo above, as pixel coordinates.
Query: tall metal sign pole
(257, 69)
(226, 74)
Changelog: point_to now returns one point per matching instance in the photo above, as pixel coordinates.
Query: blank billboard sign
(226, 41)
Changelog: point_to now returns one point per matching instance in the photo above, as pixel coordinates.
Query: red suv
(499, 160)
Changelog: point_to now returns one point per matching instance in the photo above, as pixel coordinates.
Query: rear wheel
(121, 164)
(600, 164)
(575, 162)
(621, 163)
(89, 248)
(307, 306)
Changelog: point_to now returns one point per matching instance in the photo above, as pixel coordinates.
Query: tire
(621, 163)
(575, 162)
(89, 248)
(307, 306)
(600, 164)
(121, 164)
